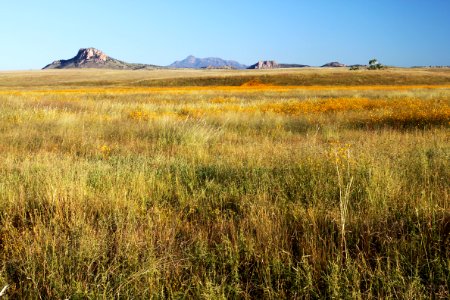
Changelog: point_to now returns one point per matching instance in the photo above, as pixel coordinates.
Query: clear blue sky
(397, 32)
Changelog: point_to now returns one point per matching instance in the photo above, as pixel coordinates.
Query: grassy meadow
(279, 184)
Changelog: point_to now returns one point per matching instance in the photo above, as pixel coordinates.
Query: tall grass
(213, 194)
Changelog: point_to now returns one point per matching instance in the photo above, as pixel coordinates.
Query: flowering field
(252, 190)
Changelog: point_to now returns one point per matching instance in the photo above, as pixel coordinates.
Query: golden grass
(245, 89)
(295, 77)
(242, 192)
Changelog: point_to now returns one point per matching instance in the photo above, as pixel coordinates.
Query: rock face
(94, 58)
(192, 62)
(91, 54)
(266, 64)
(333, 64)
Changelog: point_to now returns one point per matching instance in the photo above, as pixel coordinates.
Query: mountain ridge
(192, 62)
(87, 58)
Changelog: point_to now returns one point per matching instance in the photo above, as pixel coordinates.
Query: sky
(396, 32)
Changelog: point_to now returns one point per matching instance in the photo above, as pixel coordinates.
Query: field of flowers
(254, 190)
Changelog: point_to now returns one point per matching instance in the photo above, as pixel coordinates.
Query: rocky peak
(266, 64)
(91, 54)
(94, 58)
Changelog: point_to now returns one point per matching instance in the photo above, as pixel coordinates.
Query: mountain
(192, 62)
(94, 58)
(333, 64)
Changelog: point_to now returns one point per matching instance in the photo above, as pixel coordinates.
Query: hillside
(94, 58)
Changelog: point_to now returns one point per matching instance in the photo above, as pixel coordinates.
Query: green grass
(237, 205)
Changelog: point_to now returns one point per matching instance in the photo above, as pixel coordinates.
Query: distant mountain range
(192, 62)
(94, 58)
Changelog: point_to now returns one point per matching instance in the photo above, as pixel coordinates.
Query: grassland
(299, 184)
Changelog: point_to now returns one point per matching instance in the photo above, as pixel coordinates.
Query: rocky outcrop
(266, 64)
(91, 54)
(94, 58)
(333, 64)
